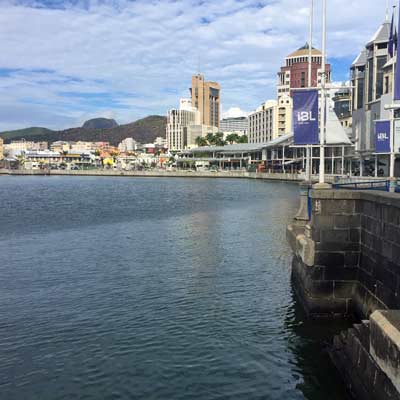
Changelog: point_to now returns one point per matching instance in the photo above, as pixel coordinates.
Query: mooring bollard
(303, 213)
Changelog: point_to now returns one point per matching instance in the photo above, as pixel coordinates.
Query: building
(128, 145)
(278, 155)
(60, 146)
(271, 120)
(263, 123)
(206, 97)
(160, 141)
(342, 106)
(17, 147)
(237, 125)
(285, 114)
(84, 146)
(195, 131)
(1, 149)
(178, 121)
(294, 74)
(371, 79)
(36, 159)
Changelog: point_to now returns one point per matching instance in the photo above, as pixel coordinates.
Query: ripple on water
(152, 289)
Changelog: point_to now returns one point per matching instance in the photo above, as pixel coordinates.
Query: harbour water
(125, 288)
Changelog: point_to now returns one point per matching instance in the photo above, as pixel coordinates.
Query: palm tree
(243, 139)
(219, 139)
(232, 138)
(210, 138)
(201, 141)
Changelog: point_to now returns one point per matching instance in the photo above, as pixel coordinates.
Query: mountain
(143, 130)
(100, 123)
(27, 133)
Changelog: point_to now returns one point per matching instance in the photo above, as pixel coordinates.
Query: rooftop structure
(294, 74)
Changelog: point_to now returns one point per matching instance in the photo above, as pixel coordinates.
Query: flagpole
(392, 130)
(310, 43)
(323, 99)
(387, 10)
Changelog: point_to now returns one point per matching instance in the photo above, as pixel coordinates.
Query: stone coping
(380, 197)
(385, 343)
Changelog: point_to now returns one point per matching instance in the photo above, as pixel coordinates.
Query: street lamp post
(322, 184)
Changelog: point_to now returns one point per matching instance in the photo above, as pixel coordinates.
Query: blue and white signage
(382, 136)
(305, 117)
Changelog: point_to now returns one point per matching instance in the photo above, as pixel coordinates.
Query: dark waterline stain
(154, 289)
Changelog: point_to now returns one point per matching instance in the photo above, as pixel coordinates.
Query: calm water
(118, 288)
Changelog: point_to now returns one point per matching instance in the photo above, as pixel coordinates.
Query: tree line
(217, 139)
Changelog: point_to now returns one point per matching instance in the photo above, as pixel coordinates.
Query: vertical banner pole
(392, 132)
(310, 46)
(395, 98)
(323, 99)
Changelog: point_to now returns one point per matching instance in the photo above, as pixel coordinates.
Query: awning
(335, 133)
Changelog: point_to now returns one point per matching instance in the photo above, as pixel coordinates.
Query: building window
(370, 78)
(386, 85)
(381, 61)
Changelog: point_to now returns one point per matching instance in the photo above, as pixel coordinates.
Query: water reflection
(309, 343)
(168, 289)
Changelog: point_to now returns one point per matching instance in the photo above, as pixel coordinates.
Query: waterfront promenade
(286, 177)
(160, 173)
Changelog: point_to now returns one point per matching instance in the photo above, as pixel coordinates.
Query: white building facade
(178, 122)
(263, 123)
(195, 131)
(237, 125)
(128, 144)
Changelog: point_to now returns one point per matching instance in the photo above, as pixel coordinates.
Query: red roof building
(294, 74)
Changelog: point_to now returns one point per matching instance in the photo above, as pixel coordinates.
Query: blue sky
(65, 61)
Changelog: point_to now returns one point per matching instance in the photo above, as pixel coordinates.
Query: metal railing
(382, 185)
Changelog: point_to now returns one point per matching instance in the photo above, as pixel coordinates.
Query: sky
(65, 61)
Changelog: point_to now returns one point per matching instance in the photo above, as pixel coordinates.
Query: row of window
(297, 60)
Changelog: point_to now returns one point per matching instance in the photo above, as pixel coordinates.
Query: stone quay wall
(347, 258)
(347, 263)
(159, 174)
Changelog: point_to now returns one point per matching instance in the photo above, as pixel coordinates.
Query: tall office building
(206, 97)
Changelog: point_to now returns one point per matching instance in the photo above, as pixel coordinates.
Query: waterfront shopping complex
(197, 138)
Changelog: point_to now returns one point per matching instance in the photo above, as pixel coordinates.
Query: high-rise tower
(206, 98)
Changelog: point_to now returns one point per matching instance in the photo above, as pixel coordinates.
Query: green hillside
(26, 133)
(144, 130)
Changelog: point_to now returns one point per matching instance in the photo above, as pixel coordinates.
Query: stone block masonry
(356, 261)
(347, 262)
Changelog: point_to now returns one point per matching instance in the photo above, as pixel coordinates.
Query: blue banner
(305, 117)
(391, 38)
(382, 136)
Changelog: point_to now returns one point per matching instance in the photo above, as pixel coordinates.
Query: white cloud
(134, 58)
(235, 112)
